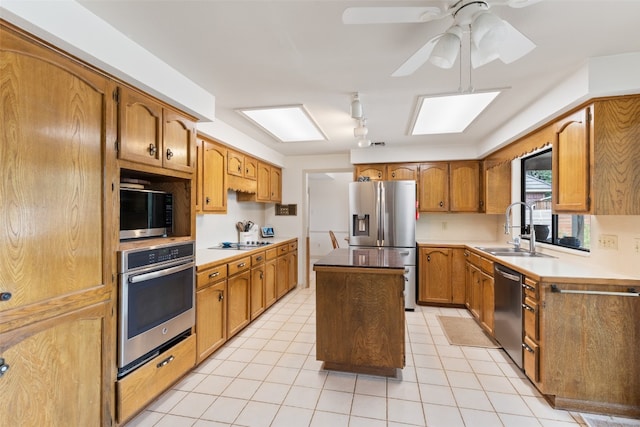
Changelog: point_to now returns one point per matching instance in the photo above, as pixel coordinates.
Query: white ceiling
(259, 53)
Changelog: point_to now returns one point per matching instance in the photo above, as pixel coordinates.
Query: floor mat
(606, 421)
(465, 331)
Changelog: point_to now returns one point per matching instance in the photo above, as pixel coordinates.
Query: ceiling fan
(490, 37)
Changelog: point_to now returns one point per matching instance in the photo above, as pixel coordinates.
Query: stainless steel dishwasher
(508, 311)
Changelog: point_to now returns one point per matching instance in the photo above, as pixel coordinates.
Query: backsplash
(459, 227)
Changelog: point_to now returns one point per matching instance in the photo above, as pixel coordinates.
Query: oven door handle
(159, 273)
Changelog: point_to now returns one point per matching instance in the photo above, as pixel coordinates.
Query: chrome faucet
(532, 232)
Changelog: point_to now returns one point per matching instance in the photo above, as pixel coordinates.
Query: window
(572, 231)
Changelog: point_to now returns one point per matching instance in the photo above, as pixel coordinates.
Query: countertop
(549, 269)
(364, 258)
(213, 255)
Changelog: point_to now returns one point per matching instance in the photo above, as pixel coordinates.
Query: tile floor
(268, 376)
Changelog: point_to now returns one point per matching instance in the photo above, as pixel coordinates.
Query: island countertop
(390, 258)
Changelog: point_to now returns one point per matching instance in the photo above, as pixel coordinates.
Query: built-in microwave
(145, 213)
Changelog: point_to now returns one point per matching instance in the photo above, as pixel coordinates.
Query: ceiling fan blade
(521, 3)
(515, 45)
(390, 15)
(417, 59)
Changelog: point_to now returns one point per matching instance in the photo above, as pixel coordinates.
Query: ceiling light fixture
(361, 130)
(356, 107)
(287, 123)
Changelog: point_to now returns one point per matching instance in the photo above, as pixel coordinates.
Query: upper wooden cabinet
(387, 172)
(214, 186)
(275, 184)
(151, 134)
(570, 167)
(241, 165)
(464, 186)
(433, 193)
(496, 186)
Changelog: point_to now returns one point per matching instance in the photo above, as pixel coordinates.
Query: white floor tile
(463, 380)
(340, 381)
(241, 388)
(257, 414)
(437, 394)
(288, 416)
(369, 406)
(475, 418)
(335, 401)
(509, 404)
(325, 419)
(224, 409)
(371, 385)
(442, 416)
(311, 378)
(193, 405)
(170, 420)
(510, 420)
(355, 421)
(282, 375)
(403, 390)
(472, 399)
(302, 397)
(213, 384)
(403, 411)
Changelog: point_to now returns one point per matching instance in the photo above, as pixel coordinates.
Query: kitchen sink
(519, 252)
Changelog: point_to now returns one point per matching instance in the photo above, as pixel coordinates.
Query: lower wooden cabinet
(145, 383)
(479, 299)
(257, 294)
(211, 319)
(442, 275)
(270, 271)
(238, 302)
(55, 371)
(488, 304)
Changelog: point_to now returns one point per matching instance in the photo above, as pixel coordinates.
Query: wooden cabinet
(153, 134)
(144, 384)
(57, 257)
(275, 183)
(449, 187)
(375, 172)
(571, 164)
(435, 275)
(214, 177)
(282, 271)
(268, 185)
(235, 163)
(402, 171)
(238, 295)
(292, 260)
(263, 193)
(211, 310)
(488, 306)
(270, 273)
(479, 298)
(496, 186)
(257, 296)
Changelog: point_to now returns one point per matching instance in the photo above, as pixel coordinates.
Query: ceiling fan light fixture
(356, 107)
(488, 32)
(361, 130)
(446, 49)
(364, 143)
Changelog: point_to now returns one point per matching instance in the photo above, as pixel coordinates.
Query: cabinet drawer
(531, 356)
(486, 266)
(272, 253)
(211, 275)
(283, 249)
(257, 259)
(474, 259)
(293, 246)
(530, 315)
(146, 383)
(530, 288)
(239, 265)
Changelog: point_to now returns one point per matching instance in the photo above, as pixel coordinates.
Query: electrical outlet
(444, 225)
(608, 241)
(636, 245)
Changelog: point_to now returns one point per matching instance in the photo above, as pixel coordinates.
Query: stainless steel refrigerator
(383, 214)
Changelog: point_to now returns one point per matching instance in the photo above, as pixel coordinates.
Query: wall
(459, 227)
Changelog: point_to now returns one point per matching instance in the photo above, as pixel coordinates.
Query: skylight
(450, 113)
(288, 123)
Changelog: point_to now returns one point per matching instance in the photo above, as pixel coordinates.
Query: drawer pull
(165, 362)
(528, 287)
(5, 296)
(242, 264)
(214, 274)
(631, 292)
(526, 347)
(220, 296)
(528, 307)
(3, 367)
(259, 258)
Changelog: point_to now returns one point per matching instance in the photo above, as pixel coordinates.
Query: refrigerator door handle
(381, 210)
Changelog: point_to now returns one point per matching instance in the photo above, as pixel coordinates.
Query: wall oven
(156, 301)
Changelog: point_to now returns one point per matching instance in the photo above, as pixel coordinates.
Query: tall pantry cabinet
(57, 259)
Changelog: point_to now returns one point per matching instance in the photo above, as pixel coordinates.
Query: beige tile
(257, 414)
(472, 399)
(484, 367)
(324, 419)
(432, 376)
(311, 378)
(369, 406)
(510, 420)
(402, 411)
(271, 393)
(473, 417)
(230, 368)
(542, 410)
(340, 381)
(442, 416)
(224, 409)
(175, 421)
(255, 371)
(509, 404)
(289, 416)
(167, 400)
(282, 375)
(335, 401)
(448, 351)
(193, 405)
(437, 394)
(403, 390)
(145, 419)
(371, 385)
(496, 383)
(302, 397)
(213, 384)
(241, 388)
(463, 380)
(189, 382)
(355, 421)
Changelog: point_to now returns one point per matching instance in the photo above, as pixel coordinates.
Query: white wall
(459, 227)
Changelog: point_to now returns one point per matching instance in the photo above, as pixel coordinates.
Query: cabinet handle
(3, 367)
(526, 347)
(393, 174)
(379, 174)
(429, 258)
(441, 204)
(242, 264)
(220, 296)
(152, 150)
(261, 275)
(165, 362)
(207, 200)
(214, 274)
(239, 169)
(169, 154)
(5, 296)
(528, 287)
(259, 258)
(527, 307)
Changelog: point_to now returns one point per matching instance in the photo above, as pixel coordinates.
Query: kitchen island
(360, 311)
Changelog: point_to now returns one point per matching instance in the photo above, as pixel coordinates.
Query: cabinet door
(435, 275)
(488, 307)
(235, 163)
(292, 275)
(571, 164)
(282, 274)
(250, 168)
(407, 171)
(55, 371)
(497, 187)
(464, 186)
(211, 319)
(433, 187)
(270, 270)
(257, 291)
(476, 292)
(214, 178)
(275, 182)
(458, 276)
(373, 172)
(140, 128)
(238, 314)
(178, 141)
(263, 193)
